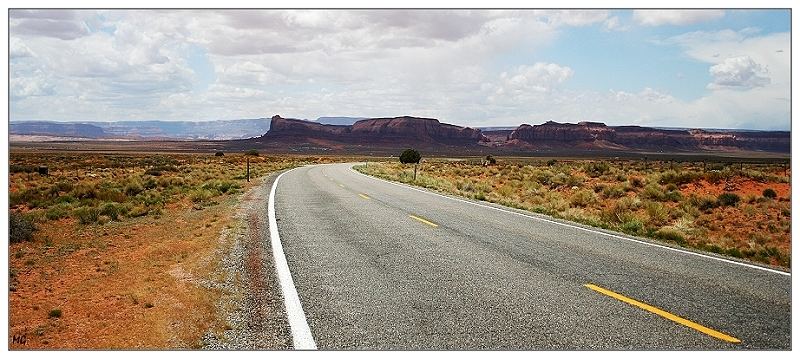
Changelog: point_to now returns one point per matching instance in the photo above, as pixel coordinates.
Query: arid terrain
(127, 249)
(739, 210)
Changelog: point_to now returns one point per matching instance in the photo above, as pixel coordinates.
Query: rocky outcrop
(597, 135)
(384, 130)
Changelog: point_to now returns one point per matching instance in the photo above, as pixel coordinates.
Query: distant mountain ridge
(146, 130)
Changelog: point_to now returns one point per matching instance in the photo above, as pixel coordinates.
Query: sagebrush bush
(670, 234)
(728, 199)
(20, 226)
(583, 198)
(87, 215)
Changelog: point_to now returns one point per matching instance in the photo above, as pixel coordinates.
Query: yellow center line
(363, 196)
(423, 220)
(670, 316)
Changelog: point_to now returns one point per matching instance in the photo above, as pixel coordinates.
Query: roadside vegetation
(742, 211)
(116, 251)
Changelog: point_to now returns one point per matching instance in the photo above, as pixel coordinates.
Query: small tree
(411, 156)
(219, 153)
(251, 152)
(489, 160)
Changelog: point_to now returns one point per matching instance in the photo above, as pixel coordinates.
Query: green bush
(654, 192)
(614, 191)
(87, 215)
(58, 211)
(583, 198)
(54, 313)
(20, 226)
(670, 234)
(634, 226)
(636, 181)
(770, 193)
(113, 210)
(596, 169)
(728, 199)
(678, 178)
(703, 203)
(251, 152)
(133, 188)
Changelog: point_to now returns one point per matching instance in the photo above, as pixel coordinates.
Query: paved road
(461, 276)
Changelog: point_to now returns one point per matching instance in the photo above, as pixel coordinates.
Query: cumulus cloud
(462, 66)
(738, 72)
(539, 77)
(675, 17)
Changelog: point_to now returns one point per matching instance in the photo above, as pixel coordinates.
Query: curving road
(379, 265)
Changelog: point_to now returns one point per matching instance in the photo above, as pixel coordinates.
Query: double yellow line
(665, 314)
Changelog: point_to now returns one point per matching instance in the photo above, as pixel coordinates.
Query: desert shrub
(583, 198)
(614, 191)
(678, 177)
(633, 226)
(770, 193)
(703, 203)
(84, 191)
(219, 153)
(551, 163)
(596, 169)
(87, 215)
(113, 210)
(20, 226)
(670, 234)
(202, 194)
(111, 194)
(150, 183)
(251, 152)
(138, 211)
(54, 313)
(674, 196)
(637, 182)
(58, 211)
(657, 212)
(621, 211)
(654, 192)
(133, 188)
(17, 168)
(221, 186)
(728, 199)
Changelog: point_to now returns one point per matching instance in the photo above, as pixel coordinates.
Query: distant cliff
(595, 135)
(400, 130)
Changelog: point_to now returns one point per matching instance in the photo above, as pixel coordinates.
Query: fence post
(248, 169)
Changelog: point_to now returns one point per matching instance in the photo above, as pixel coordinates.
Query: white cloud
(614, 24)
(459, 66)
(738, 72)
(675, 17)
(539, 77)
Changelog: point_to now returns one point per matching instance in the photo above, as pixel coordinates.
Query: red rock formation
(599, 136)
(405, 129)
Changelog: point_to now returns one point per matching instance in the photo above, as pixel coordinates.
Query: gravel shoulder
(251, 304)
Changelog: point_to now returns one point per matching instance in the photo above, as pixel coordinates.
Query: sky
(669, 68)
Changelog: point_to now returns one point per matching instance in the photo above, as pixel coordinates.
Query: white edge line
(576, 227)
(301, 333)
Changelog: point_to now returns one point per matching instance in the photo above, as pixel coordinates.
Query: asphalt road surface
(379, 265)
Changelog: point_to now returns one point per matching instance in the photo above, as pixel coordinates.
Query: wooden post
(248, 169)
(415, 172)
